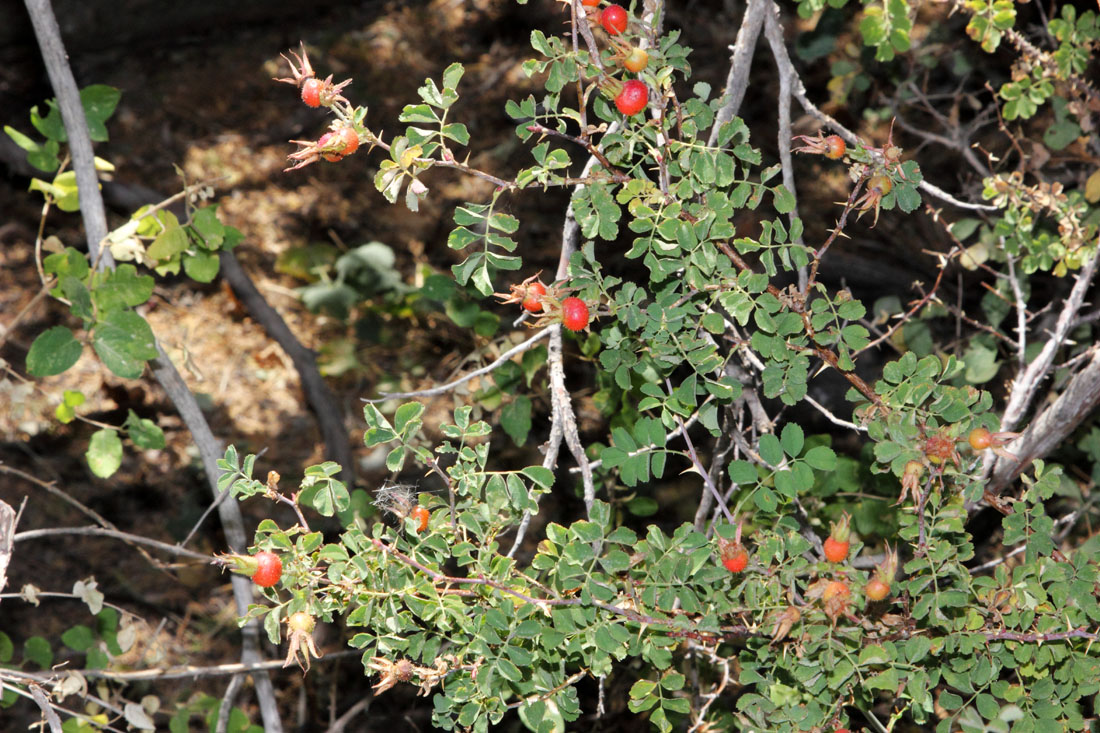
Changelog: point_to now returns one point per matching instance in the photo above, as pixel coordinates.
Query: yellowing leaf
(410, 155)
(1092, 187)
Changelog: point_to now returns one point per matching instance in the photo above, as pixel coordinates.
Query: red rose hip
(340, 143)
(633, 98)
(877, 589)
(532, 300)
(269, 568)
(980, 438)
(574, 314)
(736, 559)
(311, 92)
(421, 516)
(834, 147)
(613, 19)
(837, 544)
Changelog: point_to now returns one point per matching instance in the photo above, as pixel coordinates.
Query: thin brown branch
(698, 465)
(616, 175)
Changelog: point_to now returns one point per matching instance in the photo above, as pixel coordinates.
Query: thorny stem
(819, 254)
(826, 355)
(576, 9)
(1081, 633)
(586, 33)
(170, 673)
(293, 504)
(438, 471)
(917, 305)
(567, 682)
(727, 632)
(616, 176)
(922, 545)
(102, 521)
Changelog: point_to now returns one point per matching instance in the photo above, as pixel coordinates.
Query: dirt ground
(206, 106)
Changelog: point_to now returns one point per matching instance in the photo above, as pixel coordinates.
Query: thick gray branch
(330, 418)
(1080, 397)
(95, 223)
(737, 81)
(322, 402)
(1027, 382)
(72, 113)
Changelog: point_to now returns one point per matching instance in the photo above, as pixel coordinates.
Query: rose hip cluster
(631, 95)
(878, 177)
(834, 593)
(344, 137)
(536, 298)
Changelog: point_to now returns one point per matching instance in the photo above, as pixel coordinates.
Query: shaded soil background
(198, 98)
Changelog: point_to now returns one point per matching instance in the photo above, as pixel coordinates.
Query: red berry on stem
(734, 555)
(613, 19)
(735, 558)
(269, 568)
(350, 138)
(574, 314)
(980, 438)
(633, 98)
(311, 92)
(532, 300)
(637, 60)
(341, 143)
(836, 551)
(877, 589)
(421, 515)
(837, 544)
(329, 140)
(590, 3)
(834, 147)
